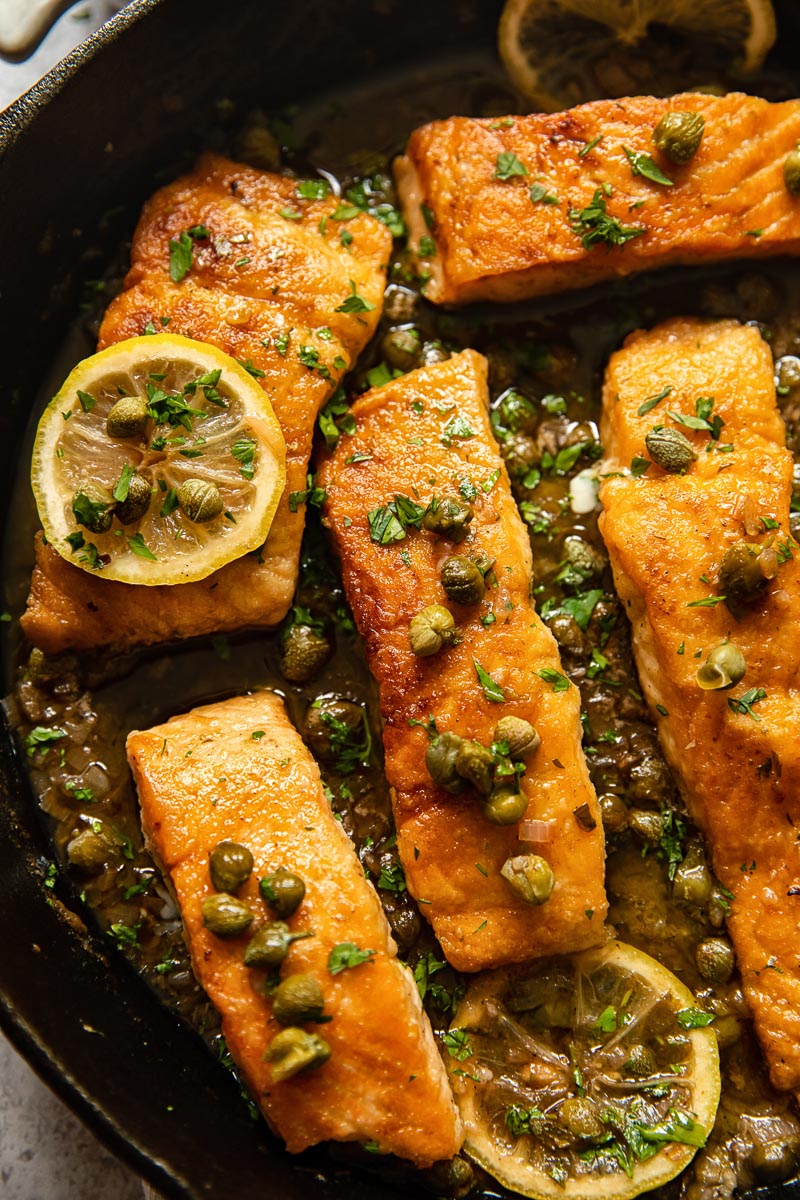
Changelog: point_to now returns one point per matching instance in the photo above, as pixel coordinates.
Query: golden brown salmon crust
(494, 243)
(261, 287)
(667, 534)
(420, 436)
(204, 778)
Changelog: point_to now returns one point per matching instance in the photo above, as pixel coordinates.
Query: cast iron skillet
(78, 156)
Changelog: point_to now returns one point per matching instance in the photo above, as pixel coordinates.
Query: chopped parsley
(744, 705)
(244, 451)
(593, 225)
(313, 495)
(123, 484)
(40, 737)
(347, 955)
(392, 879)
(458, 1044)
(540, 195)
(354, 303)
(642, 164)
(693, 1018)
(139, 547)
(491, 690)
(508, 165)
(589, 146)
(704, 420)
(181, 252)
(313, 189)
(649, 404)
(388, 524)
(549, 675)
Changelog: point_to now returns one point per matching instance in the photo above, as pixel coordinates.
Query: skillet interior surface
(79, 157)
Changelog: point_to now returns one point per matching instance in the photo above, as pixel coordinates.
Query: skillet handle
(23, 24)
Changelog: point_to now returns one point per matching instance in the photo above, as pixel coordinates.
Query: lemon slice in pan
(593, 1077)
(563, 52)
(158, 461)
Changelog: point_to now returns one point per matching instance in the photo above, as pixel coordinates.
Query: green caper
(136, 503)
(475, 764)
(723, 669)
(230, 866)
(440, 759)
(304, 651)
(693, 883)
(581, 1117)
(297, 998)
(678, 135)
(448, 517)
(505, 807)
(647, 825)
(641, 1061)
(461, 580)
(774, 1161)
(401, 348)
(89, 852)
(270, 944)
(93, 507)
(529, 877)
(519, 735)
(614, 812)
(200, 500)
(283, 891)
(430, 630)
(583, 557)
(226, 916)
(453, 1177)
(745, 571)
(715, 959)
(791, 171)
(670, 450)
(293, 1050)
(127, 418)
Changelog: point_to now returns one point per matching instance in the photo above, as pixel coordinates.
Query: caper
(127, 418)
(519, 735)
(679, 134)
(581, 1117)
(430, 630)
(745, 571)
(293, 1050)
(440, 759)
(401, 348)
(647, 825)
(454, 1177)
(475, 764)
(641, 1061)
(461, 580)
(583, 557)
(693, 883)
(448, 518)
(226, 916)
(567, 632)
(297, 998)
(283, 891)
(93, 507)
(270, 944)
(136, 503)
(715, 959)
(304, 651)
(791, 171)
(787, 371)
(200, 500)
(230, 865)
(614, 812)
(529, 877)
(723, 669)
(505, 806)
(520, 453)
(670, 450)
(433, 352)
(323, 718)
(89, 852)
(773, 1161)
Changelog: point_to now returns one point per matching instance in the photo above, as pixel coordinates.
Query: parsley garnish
(181, 252)
(593, 225)
(642, 164)
(244, 451)
(354, 303)
(650, 403)
(540, 195)
(39, 737)
(388, 524)
(589, 146)
(88, 512)
(508, 165)
(456, 427)
(693, 1018)
(87, 402)
(345, 956)
(316, 496)
(124, 483)
(491, 690)
(549, 675)
(392, 879)
(137, 544)
(745, 704)
(313, 189)
(458, 1044)
(336, 419)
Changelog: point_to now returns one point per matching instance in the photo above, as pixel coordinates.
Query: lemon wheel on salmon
(592, 1077)
(559, 53)
(159, 461)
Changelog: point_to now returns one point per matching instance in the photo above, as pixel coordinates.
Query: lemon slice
(158, 461)
(592, 1077)
(563, 52)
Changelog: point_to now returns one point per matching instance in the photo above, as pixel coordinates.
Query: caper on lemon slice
(158, 461)
(583, 1078)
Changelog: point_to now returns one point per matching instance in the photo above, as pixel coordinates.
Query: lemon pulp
(208, 421)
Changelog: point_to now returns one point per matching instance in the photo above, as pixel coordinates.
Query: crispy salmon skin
(735, 753)
(238, 771)
(424, 435)
(509, 201)
(261, 287)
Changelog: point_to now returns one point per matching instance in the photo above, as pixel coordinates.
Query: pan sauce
(553, 354)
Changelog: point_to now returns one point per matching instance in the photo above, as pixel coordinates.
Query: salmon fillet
(206, 777)
(420, 436)
(494, 242)
(738, 767)
(265, 288)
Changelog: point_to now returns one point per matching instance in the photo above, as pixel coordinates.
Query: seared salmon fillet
(422, 436)
(514, 208)
(267, 289)
(238, 771)
(735, 753)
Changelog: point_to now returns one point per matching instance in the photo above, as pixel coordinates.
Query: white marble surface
(46, 1153)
